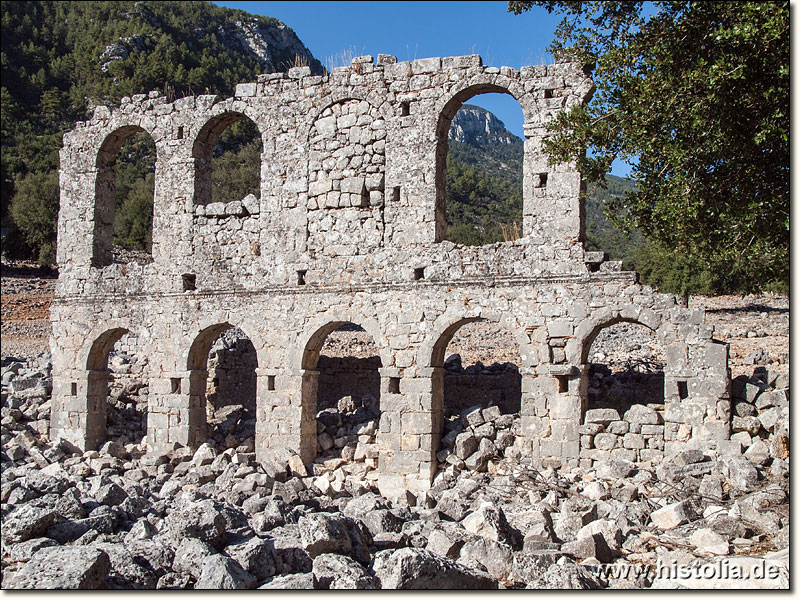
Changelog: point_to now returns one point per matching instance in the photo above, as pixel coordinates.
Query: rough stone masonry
(350, 228)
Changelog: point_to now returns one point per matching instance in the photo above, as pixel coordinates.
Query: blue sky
(412, 30)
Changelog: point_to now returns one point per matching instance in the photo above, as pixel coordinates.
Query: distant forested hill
(59, 59)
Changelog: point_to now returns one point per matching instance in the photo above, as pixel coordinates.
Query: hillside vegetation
(59, 59)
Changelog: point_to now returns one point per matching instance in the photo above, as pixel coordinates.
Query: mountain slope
(61, 58)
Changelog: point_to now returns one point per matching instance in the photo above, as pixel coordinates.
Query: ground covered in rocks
(118, 518)
(216, 519)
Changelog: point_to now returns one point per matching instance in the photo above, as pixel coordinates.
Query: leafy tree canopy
(696, 94)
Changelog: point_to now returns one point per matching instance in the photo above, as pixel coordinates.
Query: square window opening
(73, 389)
(419, 273)
(563, 384)
(683, 390)
(189, 282)
(405, 109)
(175, 385)
(394, 385)
(396, 193)
(271, 383)
(540, 180)
(301, 277)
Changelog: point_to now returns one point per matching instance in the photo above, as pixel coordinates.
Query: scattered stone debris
(120, 518)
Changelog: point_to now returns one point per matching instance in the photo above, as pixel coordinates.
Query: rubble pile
(215, 518)
(347, 449)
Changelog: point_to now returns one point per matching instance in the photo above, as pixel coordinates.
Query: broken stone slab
(610, 531)
(335, 572)
(27, 521)
(63, 568)
(294, 581)
(530, 567)
(673, 515)
(323, 533)
(566, 575)
(446, 540)
(24, 551)
(487, 555)
(708, 541)
(221, 572)
(743, 476)
(256, 556)
(417, 569)
(489, 521)
(589, 546)
(758, 453)
(190, 555)
(603, 416)
(643, 415)
(196, 519)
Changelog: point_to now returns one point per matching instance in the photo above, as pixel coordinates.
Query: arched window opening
(128, 391)
(480, 395)
(124, 191)
(227, 359)
(479, 168)
(227, 155)
(347, 406)
(625, 393)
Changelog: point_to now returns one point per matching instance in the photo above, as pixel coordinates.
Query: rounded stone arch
(105, 187)
(202, 338)
(314, 334)
(431, 352)
(222, 115)
(445, 109)
(587, 331)
(96, 355)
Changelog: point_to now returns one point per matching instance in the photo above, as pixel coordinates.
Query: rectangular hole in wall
(271, 383)
(419, 273)
(594, 267)
(396, 193)
(180, 132)
(175, 385)
(301, 277)
(540, 180)
(189, 282)
(683, 390)
(216, 382)
(548, 93)
(394, 385)
(405, 109)
(563, 384)
(73, 389)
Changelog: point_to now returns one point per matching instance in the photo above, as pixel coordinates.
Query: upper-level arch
(203, 150)
(105, 201)
(446, 110)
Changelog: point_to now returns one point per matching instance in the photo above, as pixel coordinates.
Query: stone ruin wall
(349, 228)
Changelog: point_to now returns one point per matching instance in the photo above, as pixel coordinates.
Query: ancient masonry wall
(349, 227)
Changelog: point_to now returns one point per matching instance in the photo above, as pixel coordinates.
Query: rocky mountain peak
(473, 123)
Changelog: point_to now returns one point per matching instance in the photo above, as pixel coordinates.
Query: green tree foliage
(697, 95)
(60, 58)
(483, 187)
(237, 163)
(35, 210)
